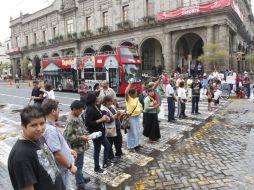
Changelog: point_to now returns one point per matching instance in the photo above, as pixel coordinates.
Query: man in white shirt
(171, 99)
(182, 98)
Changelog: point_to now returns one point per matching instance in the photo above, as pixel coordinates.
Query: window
(105, 18)
(70, 27)
(35, 38)
(44, 36)
(27, 41)
(8, 47)
(125, 13)
(129, 52)
(89, 74)
(54, 32)
(187, 3)
(100, 74)
(88, 23)
(17, 42)
(147, 6)
(132, 71)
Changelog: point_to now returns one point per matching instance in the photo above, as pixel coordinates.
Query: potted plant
(69, 36)
(82, 34)
(74, 35)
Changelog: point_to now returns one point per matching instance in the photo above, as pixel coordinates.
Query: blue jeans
(195, 100)
(133, 135)
(79, 162)
(171, 108)
(97, 148)
(247, 90)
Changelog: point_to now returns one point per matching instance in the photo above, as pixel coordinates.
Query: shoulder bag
(126, 119)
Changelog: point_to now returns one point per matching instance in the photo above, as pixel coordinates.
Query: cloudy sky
(13, 8)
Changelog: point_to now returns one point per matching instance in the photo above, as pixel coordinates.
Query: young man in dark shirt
(195, 89)
(31, 165)
(37, 94)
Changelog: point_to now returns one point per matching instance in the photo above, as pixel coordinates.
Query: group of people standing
(43, 156)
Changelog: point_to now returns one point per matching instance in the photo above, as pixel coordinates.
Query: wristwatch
(69, 167)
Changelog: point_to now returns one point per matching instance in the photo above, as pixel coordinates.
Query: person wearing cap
(83, 90)
(76, 136)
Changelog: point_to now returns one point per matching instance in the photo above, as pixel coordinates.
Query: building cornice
(235, 22)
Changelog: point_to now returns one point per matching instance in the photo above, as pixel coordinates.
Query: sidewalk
(22, 84)
(171, 133)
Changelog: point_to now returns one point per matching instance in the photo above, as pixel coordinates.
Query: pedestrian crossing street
(121, 171)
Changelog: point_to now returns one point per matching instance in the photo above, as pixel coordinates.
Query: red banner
(199, 8)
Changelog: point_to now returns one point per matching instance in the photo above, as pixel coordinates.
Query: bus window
(89, 74)
(132, 71)
(101, 74)
(129, 52)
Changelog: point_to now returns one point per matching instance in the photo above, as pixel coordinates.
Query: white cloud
(12, 8)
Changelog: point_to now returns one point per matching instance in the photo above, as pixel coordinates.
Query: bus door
(111, 65)
(113, 78)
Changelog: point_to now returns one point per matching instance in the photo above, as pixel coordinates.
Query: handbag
(125, 124)
(110, 128)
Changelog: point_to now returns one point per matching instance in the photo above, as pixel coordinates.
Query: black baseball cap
(76, 104)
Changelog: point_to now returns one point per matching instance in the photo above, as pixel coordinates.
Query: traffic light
(243, 56)
(239, 57)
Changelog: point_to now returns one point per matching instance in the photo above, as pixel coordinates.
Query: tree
(213, 53)
(4, 66)
(250, 59)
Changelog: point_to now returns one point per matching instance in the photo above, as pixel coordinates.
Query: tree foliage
(24, 63)
(250, 58)
(5, 66)
(213, 53)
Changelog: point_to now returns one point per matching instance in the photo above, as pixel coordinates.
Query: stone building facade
(75, 27)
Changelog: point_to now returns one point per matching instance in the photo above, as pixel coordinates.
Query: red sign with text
(198, 8)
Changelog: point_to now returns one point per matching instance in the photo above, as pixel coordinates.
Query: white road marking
(27, 98)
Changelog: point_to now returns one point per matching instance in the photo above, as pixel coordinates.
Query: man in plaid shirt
(77, 137)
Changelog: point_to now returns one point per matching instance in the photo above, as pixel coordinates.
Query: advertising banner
(198, 8)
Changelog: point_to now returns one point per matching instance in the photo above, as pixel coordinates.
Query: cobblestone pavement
(155, 166)
(218, 156)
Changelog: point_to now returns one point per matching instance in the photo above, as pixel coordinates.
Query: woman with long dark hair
(210, 93)
(94, 121)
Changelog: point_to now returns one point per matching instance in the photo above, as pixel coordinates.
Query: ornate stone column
(209, 40)
(224, 42)
(167, 52)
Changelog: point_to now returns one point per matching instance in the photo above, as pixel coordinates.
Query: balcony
(71, 36)
(104, 29)
(125, 25)
(56, 40)
(85, 34)
(148, 20)
(13, 50)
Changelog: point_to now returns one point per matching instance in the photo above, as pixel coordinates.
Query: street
(213, 150)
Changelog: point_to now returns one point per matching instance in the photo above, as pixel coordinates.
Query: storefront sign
(199, 8)
(69, 61)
